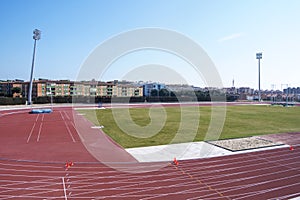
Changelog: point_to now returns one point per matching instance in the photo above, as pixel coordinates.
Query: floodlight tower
(36, 36)
(259, 56)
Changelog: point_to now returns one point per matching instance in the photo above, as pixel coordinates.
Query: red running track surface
(34, 149)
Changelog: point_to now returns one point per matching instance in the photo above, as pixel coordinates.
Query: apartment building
(7, 86)
(148, 87)
(45, 87)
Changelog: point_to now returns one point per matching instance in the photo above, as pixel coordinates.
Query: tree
(163, 92)
(154, 92)
(16, 90)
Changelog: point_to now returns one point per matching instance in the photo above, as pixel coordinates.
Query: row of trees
(14, 90)
(198, 95)
(164, 92)
(162, 95)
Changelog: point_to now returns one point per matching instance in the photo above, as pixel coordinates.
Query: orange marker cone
(175, 162)
(291, 148)
(67, 166)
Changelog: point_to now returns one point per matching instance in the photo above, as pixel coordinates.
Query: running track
(34, 148)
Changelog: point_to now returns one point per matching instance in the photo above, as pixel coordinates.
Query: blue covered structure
(40, 111)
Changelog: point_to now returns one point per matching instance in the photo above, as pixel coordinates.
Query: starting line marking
(64, 186)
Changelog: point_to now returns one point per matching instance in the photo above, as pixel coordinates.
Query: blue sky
(230, 32)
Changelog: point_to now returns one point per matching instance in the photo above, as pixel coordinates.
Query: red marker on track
(291, 148)
(175, 162)
(68, 165)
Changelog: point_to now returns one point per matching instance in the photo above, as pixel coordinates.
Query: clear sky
(230, 31)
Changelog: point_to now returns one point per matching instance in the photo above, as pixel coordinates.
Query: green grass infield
(240, 121)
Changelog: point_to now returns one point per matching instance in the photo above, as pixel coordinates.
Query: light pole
(259, 56)
(36, 36)
(273, 88)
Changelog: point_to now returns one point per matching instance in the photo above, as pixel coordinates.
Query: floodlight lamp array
(36, 34)
(259, 56)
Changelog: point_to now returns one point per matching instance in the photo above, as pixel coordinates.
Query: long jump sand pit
(240, 144)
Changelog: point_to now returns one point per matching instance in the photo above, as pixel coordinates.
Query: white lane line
(67, 115)
(258, 184)
(251, 195)
(15, 112)
(61, 116)
(36, 119)
(235, 161)
(64, 186)
(4, 166)
(41, 182)
(29, 136)
(210, 174)
(40, 130)
(69, 131)
(126, 184)
(75, 129)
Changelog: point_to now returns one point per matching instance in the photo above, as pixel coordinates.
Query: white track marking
(61, 116)
(36, 190)
(29, 136)
(64, 186)
(32, 171)
(69, 131)
(75, 128)
(67, 115)
(36, 119)
(253, 194)
(87, 181)
(26, 165)
(39, 134)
